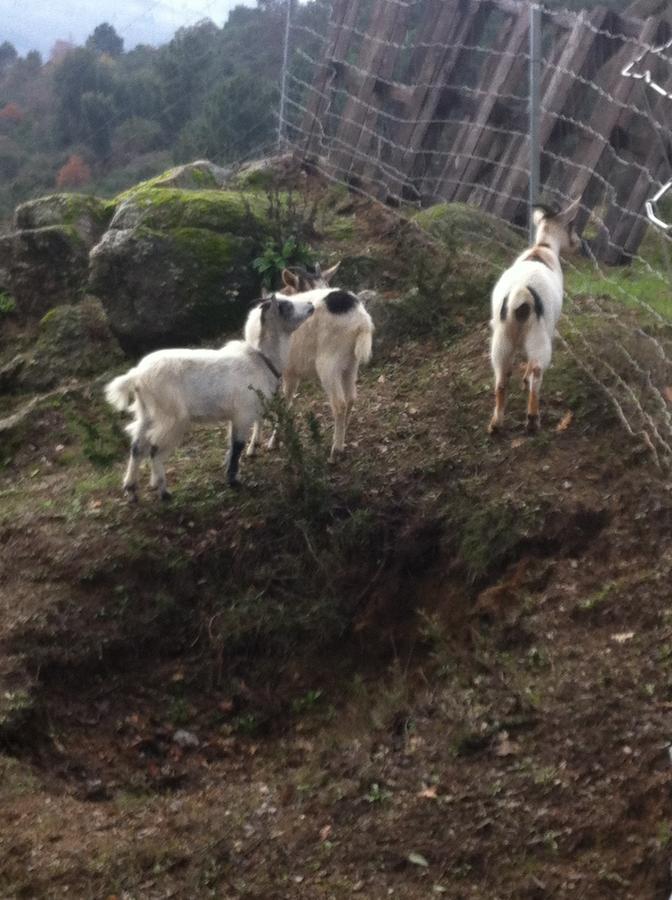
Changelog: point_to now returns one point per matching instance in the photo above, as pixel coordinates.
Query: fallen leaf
(506, 747)
(668, 394)
(417, 859)
(517, 442)
(429, 792)
(565, 421)
(325, 832)
(623, 637)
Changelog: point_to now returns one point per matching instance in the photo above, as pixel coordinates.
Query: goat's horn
(573, 206)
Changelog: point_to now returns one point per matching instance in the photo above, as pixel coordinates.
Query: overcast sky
(37, 24)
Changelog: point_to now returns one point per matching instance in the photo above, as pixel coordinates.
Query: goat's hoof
(494, 427)
(165, 496)
(532, 426)
(234, 484)
(131, 492)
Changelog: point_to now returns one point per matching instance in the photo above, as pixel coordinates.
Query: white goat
(173, 388)
(526, 306)
(331, 347)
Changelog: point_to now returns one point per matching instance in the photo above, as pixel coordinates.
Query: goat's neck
(548, 241)
(274, 344)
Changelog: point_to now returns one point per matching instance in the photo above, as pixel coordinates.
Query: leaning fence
(416, 102)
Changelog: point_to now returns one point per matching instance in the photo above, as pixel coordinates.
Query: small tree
(105, 40)
(8, 55)
(75, 173)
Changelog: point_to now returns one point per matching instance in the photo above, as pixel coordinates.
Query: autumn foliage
(11, 112)
(74, 173)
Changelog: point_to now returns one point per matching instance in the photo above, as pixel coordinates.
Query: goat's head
(556, 227)
(285, 315)
(298, 279)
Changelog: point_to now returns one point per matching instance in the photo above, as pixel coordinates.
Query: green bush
(7, 304)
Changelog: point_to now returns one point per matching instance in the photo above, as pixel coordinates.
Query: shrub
(7, 304)
(75, 173)
(274, 259)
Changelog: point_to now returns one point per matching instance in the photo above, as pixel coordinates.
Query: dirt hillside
(441, 667)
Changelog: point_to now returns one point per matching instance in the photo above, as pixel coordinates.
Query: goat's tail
(364, 341)
(517, 307)
(119, 392)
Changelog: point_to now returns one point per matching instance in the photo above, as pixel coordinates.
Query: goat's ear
(538, 215)
(328, 274)
(290, 280)
(265, 293)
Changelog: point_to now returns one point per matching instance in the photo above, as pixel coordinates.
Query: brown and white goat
(330, 347)
(526, 306)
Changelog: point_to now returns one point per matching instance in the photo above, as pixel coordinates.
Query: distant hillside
(100, 118)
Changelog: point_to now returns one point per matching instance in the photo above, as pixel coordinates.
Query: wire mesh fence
(427, 101)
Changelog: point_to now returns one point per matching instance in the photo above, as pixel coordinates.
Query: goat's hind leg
(140, 448)
(532, 381)
(161, 445)
(350, 390)
(538, 349)
(502, 354)
(339, 408)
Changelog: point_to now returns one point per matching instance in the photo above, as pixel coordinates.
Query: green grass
(632, 286)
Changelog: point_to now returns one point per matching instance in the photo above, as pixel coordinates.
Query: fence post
(282, 135)
(534, 111)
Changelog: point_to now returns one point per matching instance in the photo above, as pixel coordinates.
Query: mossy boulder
(458, 223)
(263, 174)
(43, 267)
(89, 216)
(196, 176)
(73, 341)
(176, 265)
(164, 209)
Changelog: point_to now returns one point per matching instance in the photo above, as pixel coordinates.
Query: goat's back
(334, 334)
(203, 384)
(547, 283)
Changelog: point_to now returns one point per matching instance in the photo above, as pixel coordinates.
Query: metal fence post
(282, 135)
(534, 111)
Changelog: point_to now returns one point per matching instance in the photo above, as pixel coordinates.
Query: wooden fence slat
(377, 59)
(401, 161)
(474, 139)
(511, 182)
(457, 30)
(606, 115)
(338, 40)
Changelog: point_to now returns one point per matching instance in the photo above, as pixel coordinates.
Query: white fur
(330, 347)
(173, 388)
(534, 336)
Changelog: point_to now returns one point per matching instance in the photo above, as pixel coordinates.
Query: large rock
(197, 176)
(464, 225)
(43, 267)
(72, 341)
(170, 259)
(89, 216)
(176, 266)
